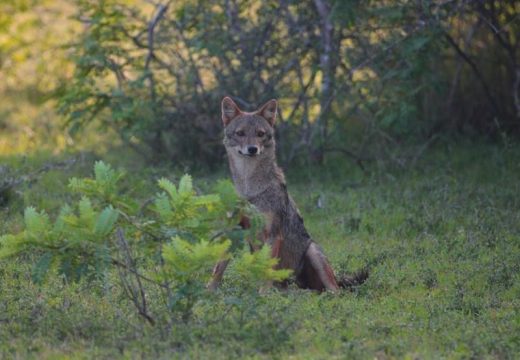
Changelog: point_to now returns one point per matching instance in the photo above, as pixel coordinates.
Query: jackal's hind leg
(317, 274)
(218, 273)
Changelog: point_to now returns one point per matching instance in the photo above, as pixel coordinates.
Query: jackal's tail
(348, 281)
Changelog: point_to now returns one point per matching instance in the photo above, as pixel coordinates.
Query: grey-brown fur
(250, 145)
(261, 181)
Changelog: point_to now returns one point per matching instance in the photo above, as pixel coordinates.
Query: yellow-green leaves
(76, 241)
(81, 239)
(185, 261)
(36, 223)
(105, 221)
(103, 185)
(86, 213)
(11, 245)
(37, 231)
(88, 224)
(184, 210)
(259, 267)
(227, 193)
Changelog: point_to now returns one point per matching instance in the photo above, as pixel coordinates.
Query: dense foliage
(173, 250)
(372, 72)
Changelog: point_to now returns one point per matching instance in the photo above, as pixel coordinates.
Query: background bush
(355, 77)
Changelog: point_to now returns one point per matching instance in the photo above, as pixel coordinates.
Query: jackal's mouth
(247, 154)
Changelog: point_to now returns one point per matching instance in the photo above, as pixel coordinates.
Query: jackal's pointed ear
(230, 110)
(268, 111)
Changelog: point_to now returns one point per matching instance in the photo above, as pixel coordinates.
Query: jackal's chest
(245, 176)
(245, 187)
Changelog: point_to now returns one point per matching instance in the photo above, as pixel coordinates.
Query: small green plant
(181, 209)
(186, 232)
(256, 268)
(75, 243)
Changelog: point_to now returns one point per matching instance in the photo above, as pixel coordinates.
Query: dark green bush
(374, 72)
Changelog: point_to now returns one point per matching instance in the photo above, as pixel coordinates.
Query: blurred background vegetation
(358, 78)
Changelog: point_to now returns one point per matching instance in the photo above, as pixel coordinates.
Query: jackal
(250, 146)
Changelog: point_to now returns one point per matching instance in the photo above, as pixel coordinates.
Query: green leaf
(186, 185)
(75, 184)
(227, 193)
(86, 212)
(11, 245)
(41, 268)
(105, 221)
(60, 224)
(163, 206)
(206, 200)
(168, 186)
(258, 267)
(102, 259)
(36, 222)
(193, 261)
(104, 173)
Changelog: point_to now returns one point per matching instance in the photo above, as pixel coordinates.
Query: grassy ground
(442, 242)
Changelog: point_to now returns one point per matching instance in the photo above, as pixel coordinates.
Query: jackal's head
(249, 134)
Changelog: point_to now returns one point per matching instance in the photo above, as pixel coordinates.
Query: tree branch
(476, 71)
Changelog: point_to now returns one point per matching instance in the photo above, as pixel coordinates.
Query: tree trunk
(327, 72)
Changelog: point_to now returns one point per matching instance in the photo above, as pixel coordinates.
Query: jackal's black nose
(252, 150)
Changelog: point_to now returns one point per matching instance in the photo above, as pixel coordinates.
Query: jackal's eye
(260, 133)
(240, 133)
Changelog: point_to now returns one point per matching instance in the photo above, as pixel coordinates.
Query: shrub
(169, 244)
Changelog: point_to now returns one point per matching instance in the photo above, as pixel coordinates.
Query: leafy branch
(188, 231)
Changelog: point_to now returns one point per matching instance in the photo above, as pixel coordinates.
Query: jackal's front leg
(218, 273)
(218, 270)
(275, 241)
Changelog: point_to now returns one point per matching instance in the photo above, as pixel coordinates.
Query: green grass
(442, 241)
